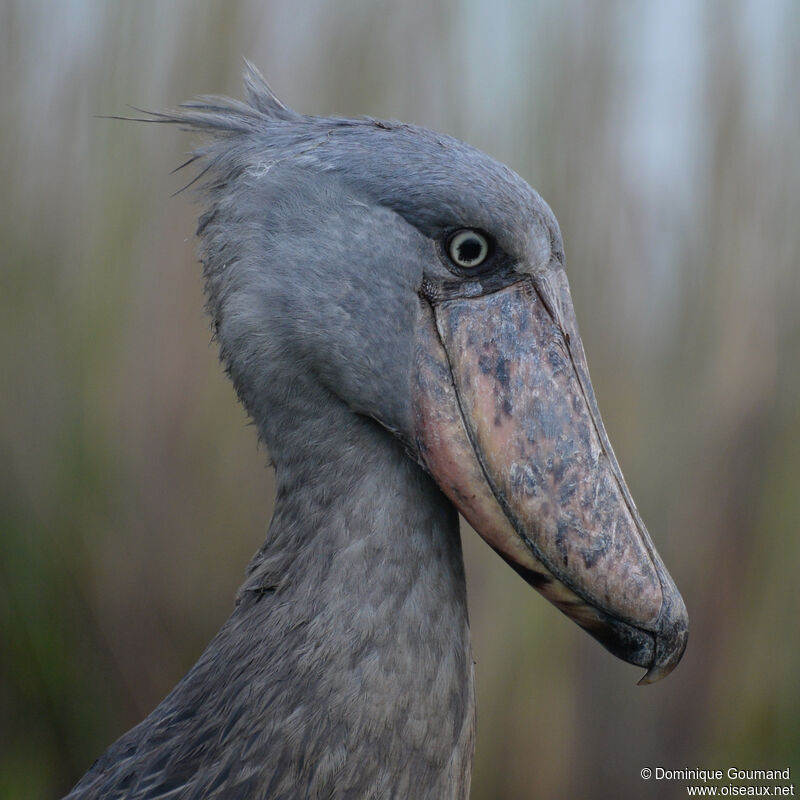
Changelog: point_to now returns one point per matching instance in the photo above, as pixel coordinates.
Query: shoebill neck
(358, 596)
(345, 668)
(348, 497)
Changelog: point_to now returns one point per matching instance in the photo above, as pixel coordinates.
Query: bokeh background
(665, 136)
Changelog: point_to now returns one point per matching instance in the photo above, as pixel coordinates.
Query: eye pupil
(468, 248)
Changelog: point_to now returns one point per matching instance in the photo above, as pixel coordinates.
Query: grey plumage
(324, 678)
(345, 669)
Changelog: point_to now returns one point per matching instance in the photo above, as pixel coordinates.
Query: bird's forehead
(438, 183)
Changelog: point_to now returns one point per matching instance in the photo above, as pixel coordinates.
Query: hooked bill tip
(670, 643)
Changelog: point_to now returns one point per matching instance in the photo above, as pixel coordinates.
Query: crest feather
(260, 95)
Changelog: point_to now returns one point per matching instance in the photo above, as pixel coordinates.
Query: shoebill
(392, 308)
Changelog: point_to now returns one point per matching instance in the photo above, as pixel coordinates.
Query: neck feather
(345, 669)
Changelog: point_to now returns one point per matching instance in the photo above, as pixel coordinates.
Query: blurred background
(666, 138)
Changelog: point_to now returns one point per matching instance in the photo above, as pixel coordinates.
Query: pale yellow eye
(468, 248)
